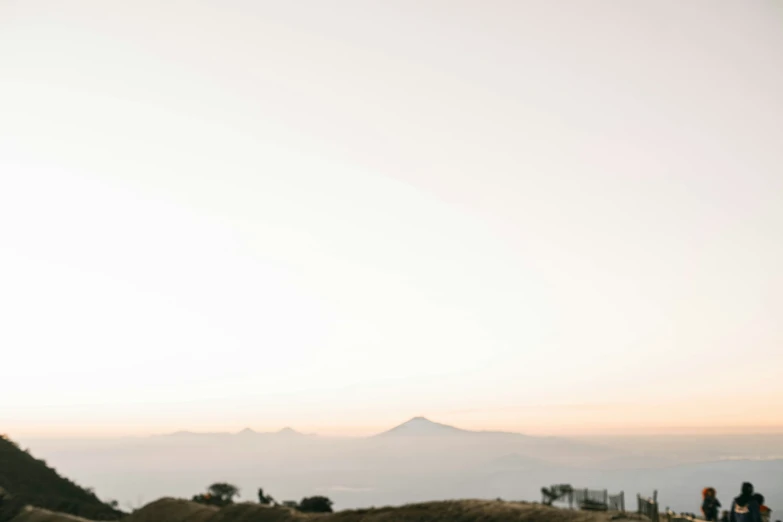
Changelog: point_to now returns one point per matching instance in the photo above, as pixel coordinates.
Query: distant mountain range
(247, 432)
(417, 426)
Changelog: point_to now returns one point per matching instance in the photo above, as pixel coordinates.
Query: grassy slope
(171, 510)
(30, 481)
(469, 511)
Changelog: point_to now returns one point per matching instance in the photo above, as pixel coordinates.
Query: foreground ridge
(171, 509)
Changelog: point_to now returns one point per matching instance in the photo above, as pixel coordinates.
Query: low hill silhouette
(25, 480)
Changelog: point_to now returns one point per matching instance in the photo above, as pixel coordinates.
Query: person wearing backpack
(745, 508)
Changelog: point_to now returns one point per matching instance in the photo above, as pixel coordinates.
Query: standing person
(766, 513)
(710, 505)
(745, 508)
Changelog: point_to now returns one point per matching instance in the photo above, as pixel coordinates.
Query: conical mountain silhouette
(421, 426)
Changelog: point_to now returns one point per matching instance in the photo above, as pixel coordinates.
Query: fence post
(655, 506)
(639, 503)
(622, 501)
(606, 498)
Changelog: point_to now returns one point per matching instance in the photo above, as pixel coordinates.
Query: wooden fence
(648, 507)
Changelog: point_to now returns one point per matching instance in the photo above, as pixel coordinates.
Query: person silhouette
(710, 505)
(745, 508)
(764, 511)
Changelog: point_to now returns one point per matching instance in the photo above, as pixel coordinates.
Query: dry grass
(173, 510)
(469, 511)
(170, 510)
(248, 512)
(33, 514)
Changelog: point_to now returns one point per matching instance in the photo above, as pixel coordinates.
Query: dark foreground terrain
(173, 510)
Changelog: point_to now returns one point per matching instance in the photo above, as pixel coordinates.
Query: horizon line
(640, 431)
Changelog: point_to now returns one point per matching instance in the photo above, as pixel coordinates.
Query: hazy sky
(551, 217)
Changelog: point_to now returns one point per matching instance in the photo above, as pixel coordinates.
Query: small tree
(224, 491)
(315, 505)
(555, 493)
(218, 494)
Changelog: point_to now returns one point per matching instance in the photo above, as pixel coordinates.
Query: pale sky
(542, 216)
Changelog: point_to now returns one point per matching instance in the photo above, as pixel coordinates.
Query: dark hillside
(172, 510)
(25, 480)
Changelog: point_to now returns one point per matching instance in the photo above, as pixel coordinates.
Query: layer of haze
(549, 217)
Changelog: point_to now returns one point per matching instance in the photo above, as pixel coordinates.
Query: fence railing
(616, 502)
(591, 498)
(648, 507)
(585, 498)
(590, 495)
